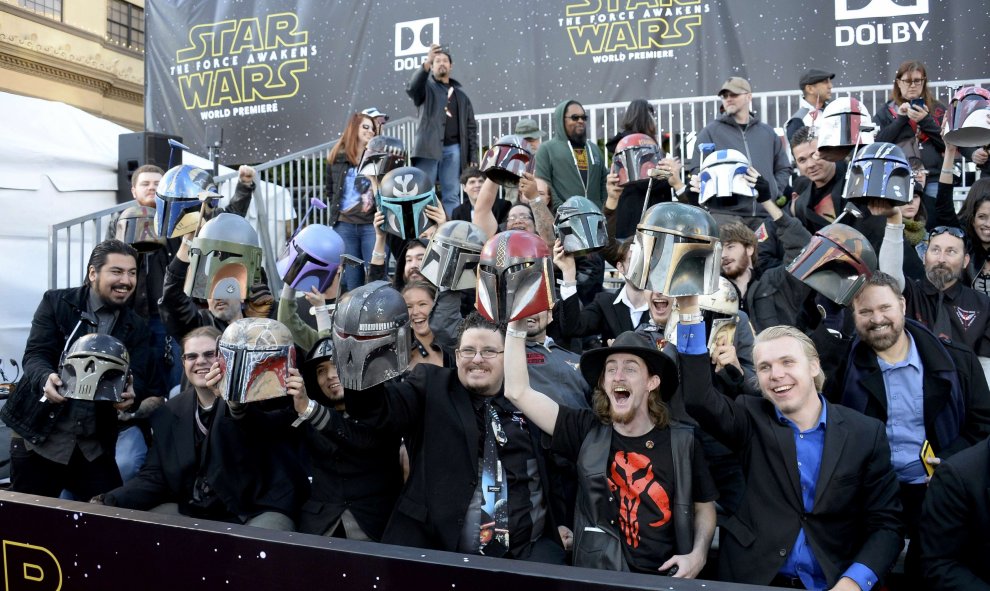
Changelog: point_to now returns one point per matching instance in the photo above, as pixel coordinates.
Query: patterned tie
(494, 517)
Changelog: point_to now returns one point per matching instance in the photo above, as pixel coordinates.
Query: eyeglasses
(578, 117)
(520, 218)
(193, 357)
(950, 230)
(915, 82)
(468, 354)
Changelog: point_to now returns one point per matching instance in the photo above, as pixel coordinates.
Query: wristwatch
(690, 318)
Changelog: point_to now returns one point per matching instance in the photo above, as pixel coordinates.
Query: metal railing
(286, 185)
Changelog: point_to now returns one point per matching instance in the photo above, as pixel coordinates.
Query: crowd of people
(819, 418)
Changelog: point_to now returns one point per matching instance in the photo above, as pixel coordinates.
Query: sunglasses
(578, 117)
(950, 230)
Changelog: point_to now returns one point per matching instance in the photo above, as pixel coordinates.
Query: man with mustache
(923, 389)
(570, 164)
(65, 443)
(645, 499)
(949, 308)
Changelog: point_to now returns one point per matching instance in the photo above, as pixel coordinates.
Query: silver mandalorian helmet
(452, 256)
(136, 226)
(676, 251)
(371, 335)
(580, 226)
(95, 368)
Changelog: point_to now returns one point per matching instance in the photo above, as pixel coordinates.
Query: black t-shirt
(640, 475)
(451, 134)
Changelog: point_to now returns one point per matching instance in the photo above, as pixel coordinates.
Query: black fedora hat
(659, 364)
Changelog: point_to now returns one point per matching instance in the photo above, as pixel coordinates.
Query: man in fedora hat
(645, 499)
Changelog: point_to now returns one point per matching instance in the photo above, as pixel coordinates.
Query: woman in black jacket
(350, 197)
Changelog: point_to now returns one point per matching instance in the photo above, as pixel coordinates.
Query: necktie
(494, 516)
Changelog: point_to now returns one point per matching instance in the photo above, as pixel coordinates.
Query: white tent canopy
(57, 163)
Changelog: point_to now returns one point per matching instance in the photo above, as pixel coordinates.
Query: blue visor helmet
(402, 198)
(881, 171)
(310, 258)
(179, 199)
(723, 174)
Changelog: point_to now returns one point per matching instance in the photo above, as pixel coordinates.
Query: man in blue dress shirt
(821, 509)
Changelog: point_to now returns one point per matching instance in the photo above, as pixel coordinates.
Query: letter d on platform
(30, 568)
(416, 37)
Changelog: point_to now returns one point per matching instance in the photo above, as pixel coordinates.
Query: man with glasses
(212, 459)
(569, 163)
(740, 129)
(952, 310)
(447, 135)
(478, 480)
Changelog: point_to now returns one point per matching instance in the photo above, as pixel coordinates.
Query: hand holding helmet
(507, 160)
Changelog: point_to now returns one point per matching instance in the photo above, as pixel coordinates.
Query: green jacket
(556, 165)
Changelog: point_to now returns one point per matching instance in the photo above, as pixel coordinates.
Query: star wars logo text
(621, 30)
(881, 29)
(243, 66)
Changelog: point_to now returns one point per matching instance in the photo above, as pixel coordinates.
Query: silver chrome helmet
(452, 256)
(371, 335)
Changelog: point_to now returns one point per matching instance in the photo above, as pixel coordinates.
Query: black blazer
(434, 411)
(955, 518)
(856, 510)
(601, 316)
(252, 467)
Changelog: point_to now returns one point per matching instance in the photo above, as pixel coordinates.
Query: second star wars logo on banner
(242, 66)
(623, 30)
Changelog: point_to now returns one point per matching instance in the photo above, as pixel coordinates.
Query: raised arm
(483, 216)
(537, 407)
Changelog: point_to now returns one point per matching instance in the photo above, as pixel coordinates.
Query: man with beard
(569, 164)
(949, 308)
(821, 508)
(740, 129)
(471, 454)
(447, 134)
(65, 443)
(921, 388)
(645, 497)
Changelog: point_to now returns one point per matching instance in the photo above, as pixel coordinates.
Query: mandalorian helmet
(136, 226)
(382, 155)
(844, 124)
(881, 171)
(723, 175)
(580, 226)
(676, 251)
(515, 277)
(224, 259)
(179, 198)
(371, 335)
(836, 263)
(451, 257)
(635, 155)
(506, 161)
(95, 368)
(968, 118)
(255, 356)
(402, 198)
(310, 258)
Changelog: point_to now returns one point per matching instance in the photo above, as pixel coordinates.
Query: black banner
(49, 544)
(282, 75)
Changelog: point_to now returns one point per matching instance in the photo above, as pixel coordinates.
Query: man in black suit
(458, 497)
(215, 460)
(954, 522)
(821, 509)
(609, 314)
